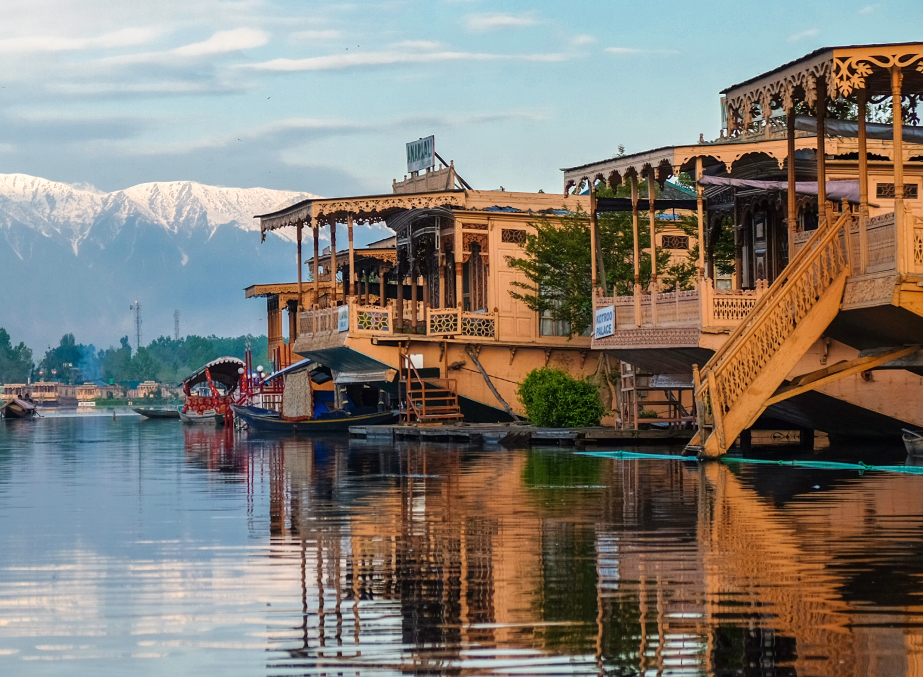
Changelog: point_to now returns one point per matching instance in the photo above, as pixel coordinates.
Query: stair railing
(417, 400)
(735, 366)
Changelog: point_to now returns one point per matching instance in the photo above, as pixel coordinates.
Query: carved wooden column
(399, 294)
(314, 231)
(382, 301)
(352, 256)
(903, 239)
(459, 276)
(821, 105)
(333, 262)
(443, 274)
(414, 273)
(300, 285)
(593, 239)
(700, 206)
(654, 286)
(863, 183)
(637, 255)
(792, 196)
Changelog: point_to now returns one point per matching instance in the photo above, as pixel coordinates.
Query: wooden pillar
(399, 295)
(904, 243)
(426, 293)
(821, 147)
(792, 197)
(443, 275)
(352, 256)
(863, 183)
(314, 230)
(593, 239)
(652, 217)
(738, 247)
(700, 206)
(413, 295)
(382, 300)
(300, 285)
(333, 262)
(459, 272)
(637, 250)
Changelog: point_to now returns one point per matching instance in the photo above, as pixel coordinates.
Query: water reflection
(331, 556)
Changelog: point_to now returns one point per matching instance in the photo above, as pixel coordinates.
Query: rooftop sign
(421, 154)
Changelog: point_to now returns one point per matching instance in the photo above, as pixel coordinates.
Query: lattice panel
(443, 322)
(767, 334)
(675, 242)
(474, 238)
(882, 243)
(481, 326)
(474, 226)
(373, 318)
(918, 246)
(513, 235)
(732, 308)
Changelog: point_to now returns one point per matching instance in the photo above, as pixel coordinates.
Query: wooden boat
(150, 412)
(17, 408)
(913, 442)
(207, 417)
(326, 423)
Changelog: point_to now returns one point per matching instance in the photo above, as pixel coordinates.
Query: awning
(623, 204)
(836, 190)
(850, 129)
(223, 371)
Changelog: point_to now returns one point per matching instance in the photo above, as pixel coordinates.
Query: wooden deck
(512, 435)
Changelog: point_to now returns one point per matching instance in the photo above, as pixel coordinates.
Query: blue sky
(322, 96)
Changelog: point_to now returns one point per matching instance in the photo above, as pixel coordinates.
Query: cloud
(582, 40)
(868, 9)
(225, 41)
(628, 51)
(416, 44)
(127, 37)
(489, 22)
(810, 33)
(316, 36)
(389, 58)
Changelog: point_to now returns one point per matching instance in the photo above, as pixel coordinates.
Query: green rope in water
(817, 465)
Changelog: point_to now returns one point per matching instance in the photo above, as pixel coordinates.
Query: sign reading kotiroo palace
(421, 154)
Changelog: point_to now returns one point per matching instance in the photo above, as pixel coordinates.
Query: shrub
(554, 399)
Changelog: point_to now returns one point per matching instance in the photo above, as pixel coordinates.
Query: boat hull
(17, 409)
(156, 413)
(913, 444)
(205, 418)
(320, 425)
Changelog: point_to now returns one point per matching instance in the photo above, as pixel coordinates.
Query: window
(514, 235)
(675, 242)
(886, 190)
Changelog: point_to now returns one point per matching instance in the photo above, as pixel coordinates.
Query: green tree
(15, 361)
(61, 363)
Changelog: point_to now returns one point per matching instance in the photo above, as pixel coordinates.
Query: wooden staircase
(732, 389)
(428, 399)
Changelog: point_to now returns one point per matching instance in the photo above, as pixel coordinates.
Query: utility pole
(136, 307)
(176, 324)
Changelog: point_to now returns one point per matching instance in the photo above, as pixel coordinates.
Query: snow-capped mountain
(72, 258)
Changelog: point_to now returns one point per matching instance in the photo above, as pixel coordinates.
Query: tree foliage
(15, 361)
(553, 398)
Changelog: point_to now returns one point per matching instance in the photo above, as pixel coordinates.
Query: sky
(322, 96)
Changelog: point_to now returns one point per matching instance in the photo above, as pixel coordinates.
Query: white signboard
(421, 154)
(343, 318)
(605, 322)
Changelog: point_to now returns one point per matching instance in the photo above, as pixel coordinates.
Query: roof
(223, 370)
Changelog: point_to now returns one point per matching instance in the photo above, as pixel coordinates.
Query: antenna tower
(136, 307)
(176, 324)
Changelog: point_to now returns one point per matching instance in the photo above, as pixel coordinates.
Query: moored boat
(17, 408)
(151, 412)
(207, 417)
(913, 442)
(211, 390)
(338, 421)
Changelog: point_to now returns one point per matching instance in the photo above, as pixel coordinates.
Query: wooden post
(700, 206)
(821, 146)
(352, 256)
(637, 251)
(314, 231)
(399, 296)
(300, 285)
(459, 273)
(593, 239)
(382, 290)
(413, 295)
(904, 243)
(792, 204)
(652, 216)
(333, 262)
(863, 184)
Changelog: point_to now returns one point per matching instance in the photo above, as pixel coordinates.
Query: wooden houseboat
(822, 326)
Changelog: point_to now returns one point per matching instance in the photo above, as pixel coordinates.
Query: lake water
(149, 548)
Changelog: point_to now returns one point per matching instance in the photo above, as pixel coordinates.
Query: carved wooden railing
(443, 321)
(882, 244)
(479, 325)
(735, 366)
(367, 320)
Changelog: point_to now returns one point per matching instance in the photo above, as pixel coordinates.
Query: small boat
(338, 421)
(191, 417)
(913, 442)
(151, 412)
(17, 408)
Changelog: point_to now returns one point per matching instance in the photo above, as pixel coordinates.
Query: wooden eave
(387, 254)
(262, 290)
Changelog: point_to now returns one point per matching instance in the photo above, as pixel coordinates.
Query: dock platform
(511, 435)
